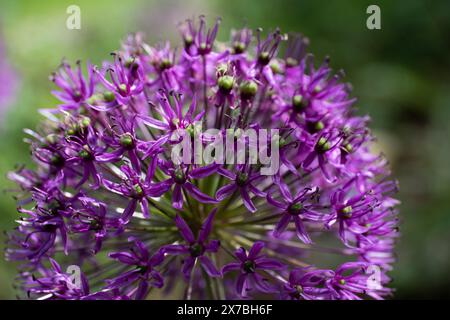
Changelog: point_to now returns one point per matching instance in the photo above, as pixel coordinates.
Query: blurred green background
(400, 75)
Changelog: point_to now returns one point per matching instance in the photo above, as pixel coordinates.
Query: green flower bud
(129, 62)
(238, 47)
(123, 88)
(275, 66)
(347, 212)
(348, 147)
(225, 83)
(138, 190)
(298, 102)
(191, 130)
(85, 122)
(109, 96)
(85, 153)
(126, 140)
(315, 126)
(188, 40)
(264, 58)
(323, 145)
(291, 62)
(165, 64)
(51, 138)
(248, 89)
(221, 69)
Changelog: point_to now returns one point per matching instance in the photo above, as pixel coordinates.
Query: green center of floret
(51, 138)
(190, 129)
(73, 130)
(85, 122)
(165, 64)
(57, 160)
(138, 191)
(109, 96)
(295, 209)
(142, 269)
(291, 62)
(315, 126)
(323, 145)
(54, 207)
(85, 153)
(225, 83)
(123, 88)
(126, 141)
(248, 89)
(238, 47)
(348, 147)
(179, 176)
(188, 40)
(241, 179)
(264, 58)
(94, 225)
(347, 212)
(196, 250)
(276, 68)
(77, 95)
(298, 291)
(299, 103)
(249, 266)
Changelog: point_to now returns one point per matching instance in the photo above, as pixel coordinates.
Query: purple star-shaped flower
(56, 284)
(76, 89)
(243, 181)
(308, 284)
(195, 248)
(348, 211)
(352, 279)
(294, 209)
(180, 178)
(251, 265)
(144, 272)
(136, 189)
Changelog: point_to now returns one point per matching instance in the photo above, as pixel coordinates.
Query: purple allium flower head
(222, 168)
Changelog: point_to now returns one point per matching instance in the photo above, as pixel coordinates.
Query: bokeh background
(400, 74)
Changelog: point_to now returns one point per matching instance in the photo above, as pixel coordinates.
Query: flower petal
(206, 226)
(209, 267)
(225, 191)
(282, 224)
(184, 229)
(255, 250)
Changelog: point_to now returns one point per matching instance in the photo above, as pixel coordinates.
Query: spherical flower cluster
(108, 197)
